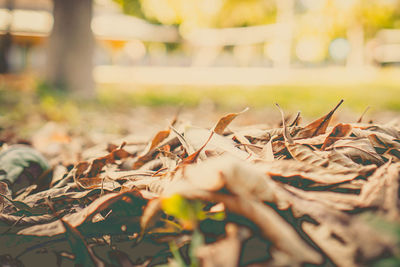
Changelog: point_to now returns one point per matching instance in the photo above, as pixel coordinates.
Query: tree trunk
(5, 45)
(6, 41)
(71, 44)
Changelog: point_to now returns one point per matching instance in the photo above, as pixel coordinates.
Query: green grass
(310, 100)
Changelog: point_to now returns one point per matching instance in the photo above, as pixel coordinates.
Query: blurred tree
(357, 21)
(6, 41)
(71, 47)
(191, 15)
(360, 20)
(132, 7)
(375, 15)
(204, 13)
(317, 20)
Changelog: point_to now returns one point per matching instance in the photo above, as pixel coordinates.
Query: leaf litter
(245, 196)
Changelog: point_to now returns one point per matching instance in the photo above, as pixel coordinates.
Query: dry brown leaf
(197, 137)
(341, 232)
(226, 120)
(300, 189)
(316, 141)
(381, 141)
(292, 168)
(338, 132)
(273, 227)
(239, 178)
(267, 152)
(296, 120)
(337, 201)
(362, 133)
(388, 130)
(158, 138)
(193, 157)
(362, 115)
(151, 214)
(306, 154)
(99, 163)
(340, 254)
(257, 135)
(25, 221)
(340, 159)
(381, 190)
(286, 133)
(126, 175)
(349, 244)
(225, 252)
(150, 155)
(359, 150)
(302, 152)
(84, 215)
(4, 190)
(93, 169)
(318, 126)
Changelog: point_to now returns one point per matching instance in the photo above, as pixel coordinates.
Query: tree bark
(71, 45)
(6, 41)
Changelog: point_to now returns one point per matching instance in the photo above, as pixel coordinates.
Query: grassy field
(309, 90)
(310, 99)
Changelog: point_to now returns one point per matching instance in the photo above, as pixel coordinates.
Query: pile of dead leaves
(254, 196)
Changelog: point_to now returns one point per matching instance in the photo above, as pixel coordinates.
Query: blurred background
(303, 54)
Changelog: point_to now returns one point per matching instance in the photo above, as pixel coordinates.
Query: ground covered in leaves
(323, 193)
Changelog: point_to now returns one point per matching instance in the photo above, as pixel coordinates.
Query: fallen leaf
(318, 126)
(225, 121)
(359, 150)
(86, 214)
(338, 132)
(225, 252)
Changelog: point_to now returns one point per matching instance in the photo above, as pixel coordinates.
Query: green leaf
(188, 212)
(197, 241)
(177, 255)
(217, 216)
(16, 159)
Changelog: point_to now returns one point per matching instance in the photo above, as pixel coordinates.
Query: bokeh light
(339, 49)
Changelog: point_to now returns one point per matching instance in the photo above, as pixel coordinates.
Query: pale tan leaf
(305, 154)
(341, 254)
(359, 150)
(225, 252)
(389, 130)
(197, 137)
(381, 190)
(292, 168)
(267, 152)
(381, 141)
(273, 227)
